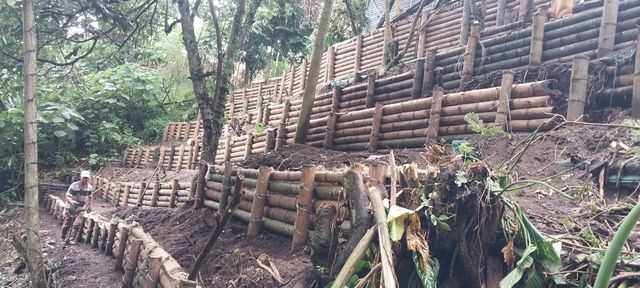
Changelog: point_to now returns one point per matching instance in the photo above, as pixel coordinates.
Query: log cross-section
(259, 199)
(578, 88)
(304, 207)
(375, 128)
(434, 115)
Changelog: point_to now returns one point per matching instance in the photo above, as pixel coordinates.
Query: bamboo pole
(125, 198)
(331, 63)
(124, 235)
(172, 154)
(469, 56)
(330, 131)
(502, 115)
(304, 207)
(371, 87)
(375, 128)
(606, 38)
(537, 36)
(526, 11)
(430, 66)
(303, 74)
(174, 193)
(465, 22)
(434, 115)
(199, 203)
(132, 263)
(386, 258)
(248, 145)
(227, 145)
(282, 131)
(358, 59)
(257, 210)
(226, 185)
(143, 188)
(196, 153)
(270, 140)
(418, 79)
(635, 101)
(155, 263)
(578, 88)
(156, 190)
(95, 234)
(259, 104)
(502, 7)
(354, 258)
(108, 250)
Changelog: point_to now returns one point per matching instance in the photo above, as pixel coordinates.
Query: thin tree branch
(416, 18)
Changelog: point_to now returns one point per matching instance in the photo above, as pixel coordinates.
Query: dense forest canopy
(113, 73)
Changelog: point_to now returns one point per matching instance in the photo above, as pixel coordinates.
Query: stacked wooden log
(134, 250)
(281, 206)
(139, 156)
(156, 194)
(182, 130)
(182, 157)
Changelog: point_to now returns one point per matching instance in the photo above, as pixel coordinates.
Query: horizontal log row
(182, 130)
(116, 239)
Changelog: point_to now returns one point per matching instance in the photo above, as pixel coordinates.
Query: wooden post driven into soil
(303, 74)
(163, 152)
(358, 59)
(156, 192)
(304, 207)
(245, 101)
(125, 198)
(429, 67)
(421, 38)
(526, 11)
(418, 78)
(122, 246)
(537, 36)
(292, 79)
(259, 105)
(226, 185)
(329, 133)
(155, 263)
(375, 128)
(578, 88)
(434, 115)
(172, 154)
(200, 185)
(502, 7)
(270, 140)
(143, 189)
(331, 64)
(259, 199)
(249, 145)
(282, 129)
(132, 262)
(502, 115)
(635, 101)
(108, 250)
(266, 115)
(174, 193)
(606, 38)
(371, 87)
(196, 154)
(470, 54)
(284, 76)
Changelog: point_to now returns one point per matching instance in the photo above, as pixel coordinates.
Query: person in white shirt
(78, 202)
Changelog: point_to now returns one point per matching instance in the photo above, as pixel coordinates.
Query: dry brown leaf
(509, 255)
(416, 242)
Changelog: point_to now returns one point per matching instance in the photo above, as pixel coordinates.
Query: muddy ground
(183, 231)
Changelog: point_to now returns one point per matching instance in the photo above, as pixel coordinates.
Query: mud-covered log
(359, 203)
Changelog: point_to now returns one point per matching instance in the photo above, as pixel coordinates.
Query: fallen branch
(388, 275)
(366, 278)
(349, 266)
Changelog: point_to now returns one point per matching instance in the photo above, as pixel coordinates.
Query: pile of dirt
(183, 232)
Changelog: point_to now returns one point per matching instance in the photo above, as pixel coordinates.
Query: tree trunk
(466, 22)
(314, 70)
(388, 37)
(352, 19)
(33, 247)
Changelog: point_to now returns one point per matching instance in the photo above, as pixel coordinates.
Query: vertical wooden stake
(232, 107)
(179, 132)
(607, 38)
(200, 186)
(635, 101)
(271, 144)
(266, 115)
(502, 7)
(331, 63)
(418, 79)
(187, 130)
(125, 198)
(282, 129)
(116, 195)
(375, 128)
(421, 37)
(180, 158)
(434, 115)
(357, 59)
(292, 79)
(526, 11)
(470, 54)
(304, 207)
(165, 133)
(196, 154)
(163, 152)
(466, 21)
(249, 145)
(284, 76)
(124, 235)
(331, 126)
(537, 36)
(138, 156)
(156, 192)
(125, 157)
(259, 199)
(226, 186)
(429, 67)
(172, 130)
(172, 154)
(245, 101)
(190, 160)
(578, 88)
(108, 249)
(87, 237)
(303, 74)
(371, 87)
(174, 193)
(132, 262)
(335, 99)
(259, 105)
(155, 263)
(95, 235)
(143, 190)
(198, 128)
(502, 115)
(227, 150)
